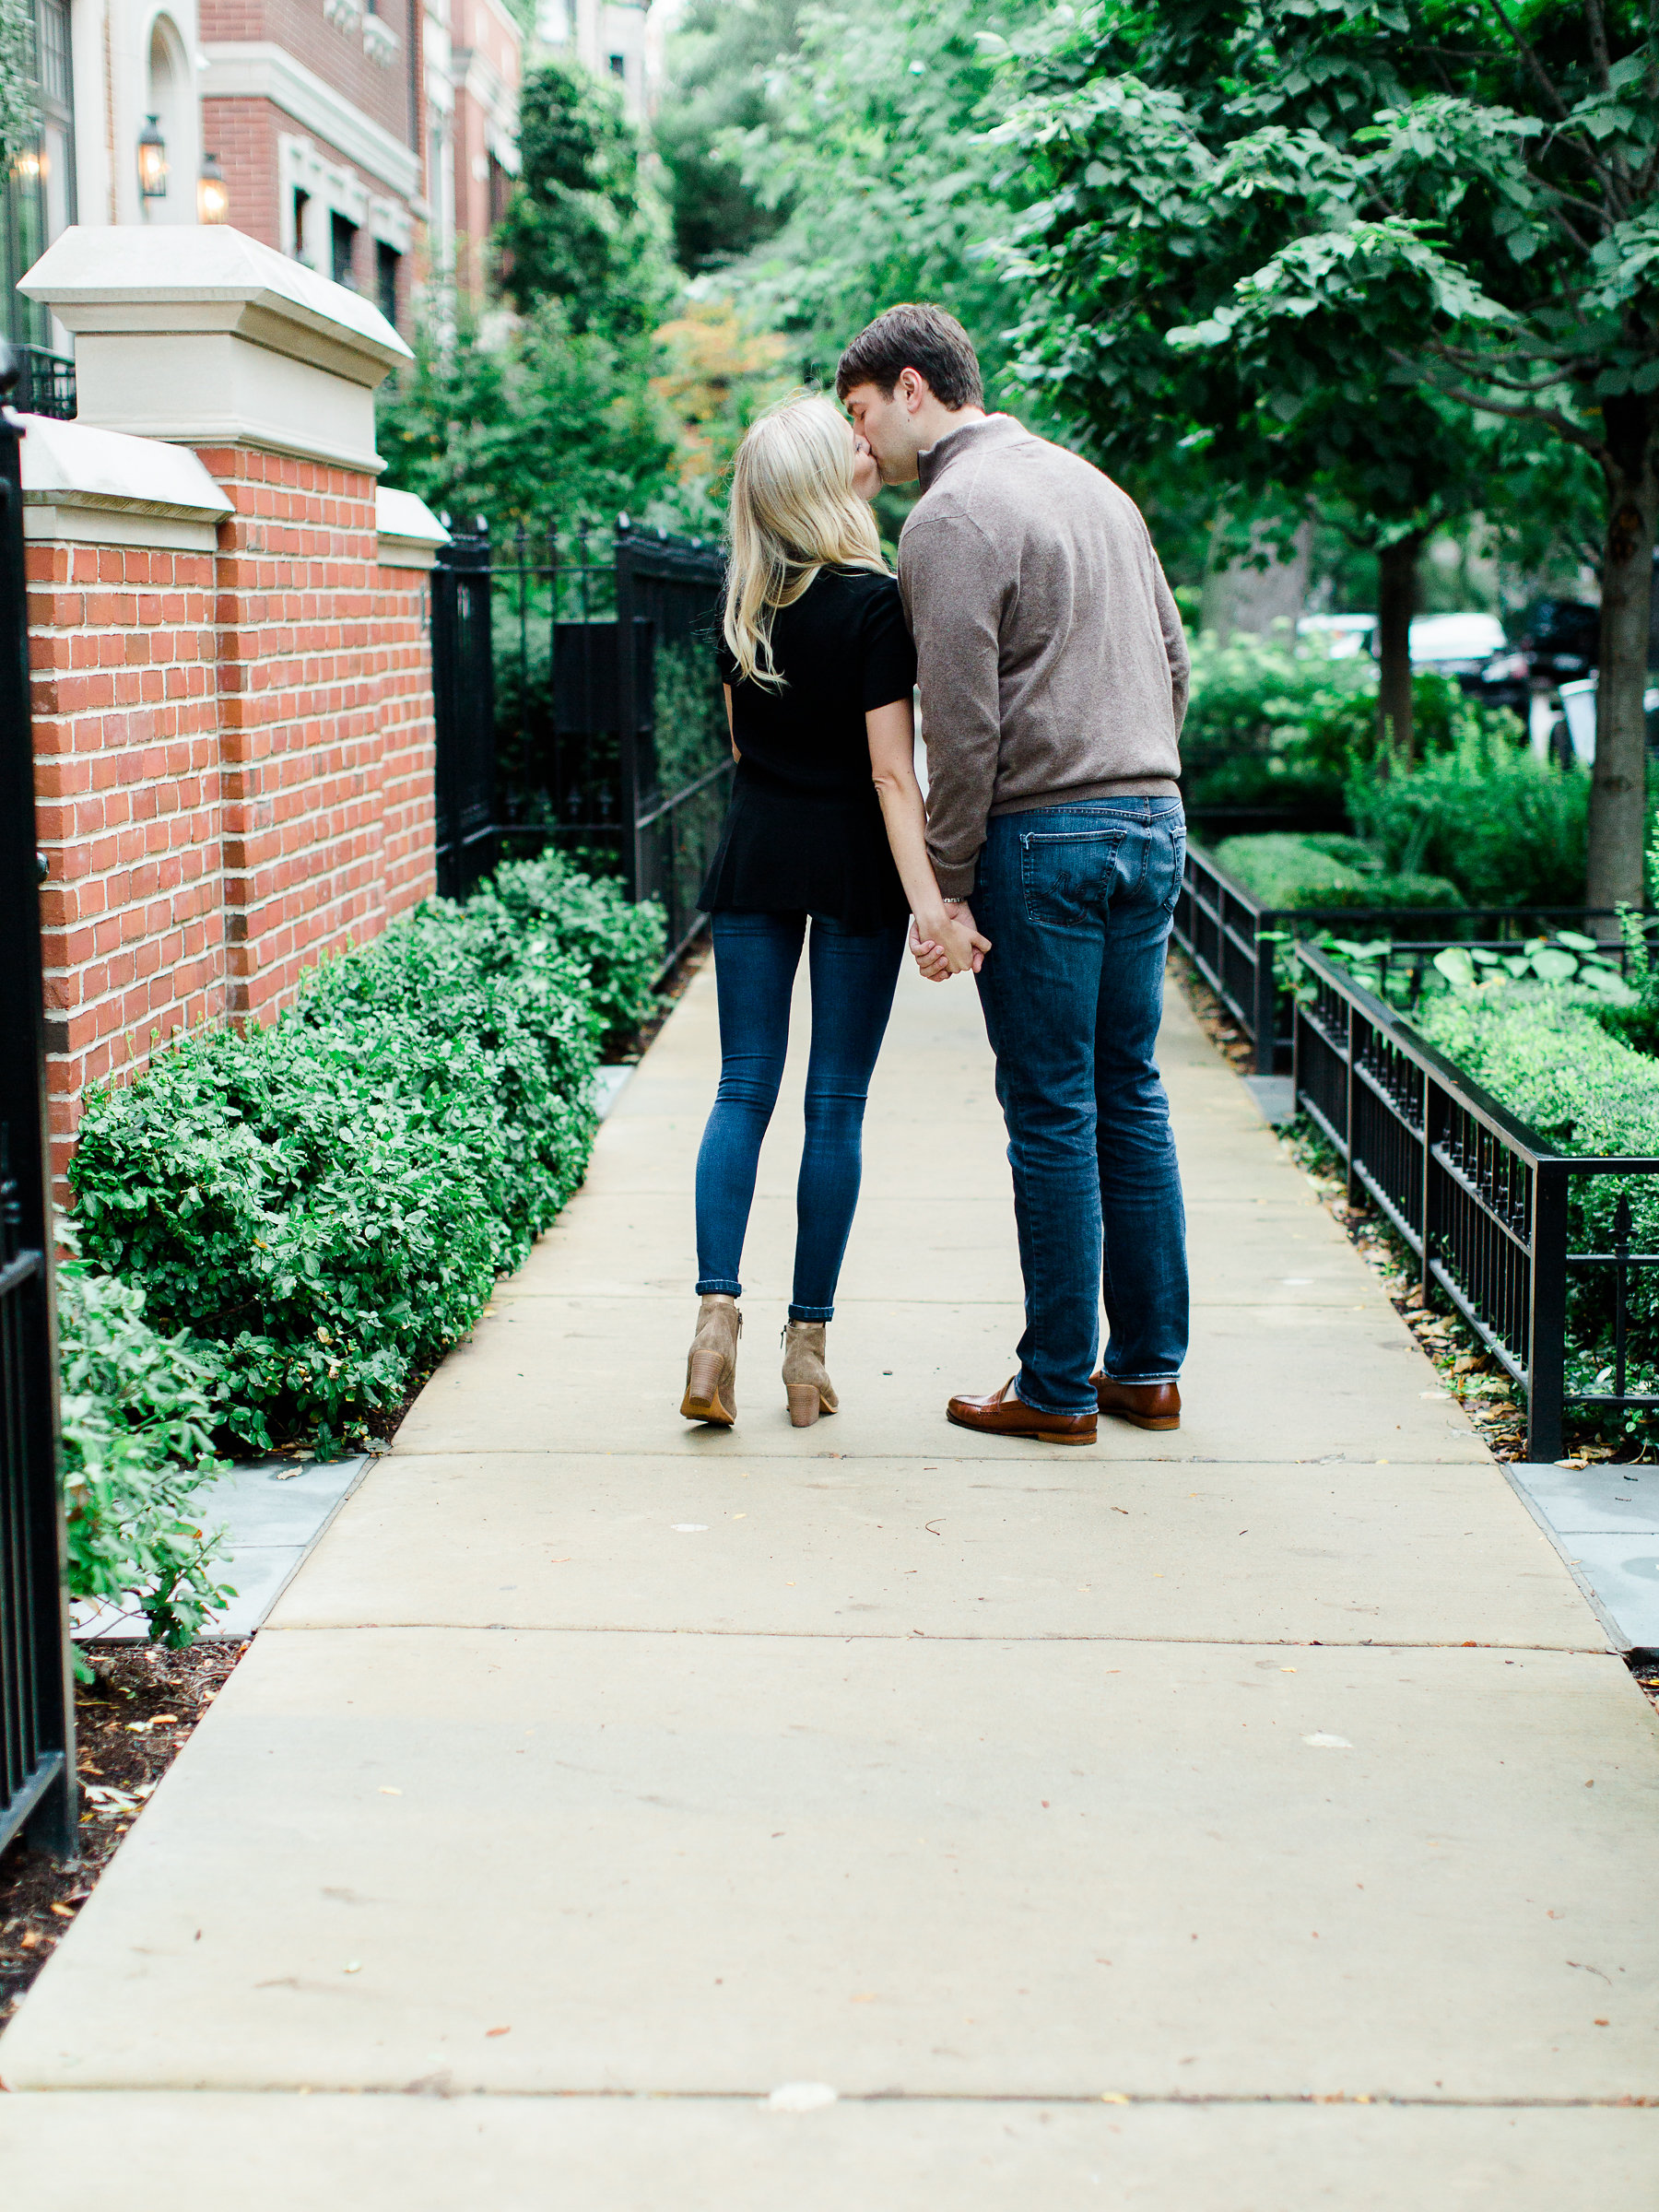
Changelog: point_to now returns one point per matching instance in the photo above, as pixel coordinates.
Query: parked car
(1557, 644)
(1345, 637)
(1458, 645)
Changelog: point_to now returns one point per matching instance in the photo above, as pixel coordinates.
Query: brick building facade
(231, 674)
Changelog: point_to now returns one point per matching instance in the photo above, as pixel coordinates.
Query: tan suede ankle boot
(711, 1364)
(805, 1377)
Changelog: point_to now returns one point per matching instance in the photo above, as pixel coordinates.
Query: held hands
(951, 944)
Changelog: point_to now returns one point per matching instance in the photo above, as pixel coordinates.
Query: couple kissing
(1030, 612)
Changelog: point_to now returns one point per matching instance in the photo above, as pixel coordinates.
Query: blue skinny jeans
(1076, 902)
(853, 977)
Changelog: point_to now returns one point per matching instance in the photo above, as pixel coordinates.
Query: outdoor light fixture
(213, 196)
(152, 162)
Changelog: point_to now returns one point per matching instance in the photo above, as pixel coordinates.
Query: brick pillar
(236, 731)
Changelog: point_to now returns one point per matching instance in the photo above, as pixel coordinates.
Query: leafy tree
(581, 229)
(1164, 190)
(716, 374)
(716, 66)
(874, 140)
(20, 111)
(552, 426)
(1466, 199)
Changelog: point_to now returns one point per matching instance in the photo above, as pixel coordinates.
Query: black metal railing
(37, 1766)
(1236, 943)
(578, 705)
(45, 384)
(1532, 1246)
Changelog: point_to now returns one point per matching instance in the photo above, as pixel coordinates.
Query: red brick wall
(234, 763)
(128, 805)
(299, 26)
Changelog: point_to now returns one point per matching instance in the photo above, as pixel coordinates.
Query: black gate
(462, 713)
(582, 666)
(37, 1765)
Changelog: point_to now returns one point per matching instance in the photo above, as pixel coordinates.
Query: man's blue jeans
(852, 978)
(1076, 902)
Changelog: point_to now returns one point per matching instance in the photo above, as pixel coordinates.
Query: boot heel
(702, 1399)
(804, 1404)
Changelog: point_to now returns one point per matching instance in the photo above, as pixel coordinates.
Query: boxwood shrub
(323, 1203)
(1316, 870)
(1545, 1053)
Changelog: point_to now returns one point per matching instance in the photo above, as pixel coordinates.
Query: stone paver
(622, 1772)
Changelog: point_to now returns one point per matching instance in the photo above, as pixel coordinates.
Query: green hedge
(1508, 829)
(139, 1410)
(323, 1206)
(1326, 871)
(1544, 1052)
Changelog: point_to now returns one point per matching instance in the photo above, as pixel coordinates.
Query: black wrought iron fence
(37, 1766)
(578, 705)
(1532, 1246)
(1235, 942)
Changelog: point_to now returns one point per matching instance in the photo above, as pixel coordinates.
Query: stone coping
(107, 487)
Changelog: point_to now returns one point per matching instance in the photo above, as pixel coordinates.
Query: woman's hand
(947, 943)
(866, 472)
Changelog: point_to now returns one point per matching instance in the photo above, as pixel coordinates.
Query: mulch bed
(130, 1723)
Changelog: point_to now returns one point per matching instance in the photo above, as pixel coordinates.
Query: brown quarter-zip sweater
(1052, 665)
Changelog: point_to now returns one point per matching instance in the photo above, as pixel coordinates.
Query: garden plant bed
(131, 1721)
(1465, 1369)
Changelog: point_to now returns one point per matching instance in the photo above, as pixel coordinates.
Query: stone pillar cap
(181, 279)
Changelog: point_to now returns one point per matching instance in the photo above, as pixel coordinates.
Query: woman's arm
(726, 692)
(892, 734)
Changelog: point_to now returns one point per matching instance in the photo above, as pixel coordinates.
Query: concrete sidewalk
(1248, 1816)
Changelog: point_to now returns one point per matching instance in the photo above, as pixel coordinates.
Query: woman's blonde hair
(793, 511)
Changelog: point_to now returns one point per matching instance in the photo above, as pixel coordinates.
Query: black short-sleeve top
(804, 833)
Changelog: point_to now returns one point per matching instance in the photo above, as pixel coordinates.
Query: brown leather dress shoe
(1148, 1404)
(1001, 1414)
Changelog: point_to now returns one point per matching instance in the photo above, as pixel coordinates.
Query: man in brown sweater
(1054, 680)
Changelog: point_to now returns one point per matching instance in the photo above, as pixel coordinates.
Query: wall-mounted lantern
(213, 194)
(152, 162)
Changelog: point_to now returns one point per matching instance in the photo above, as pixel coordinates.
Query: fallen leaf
(497, 2031)
(387, 1791)
(62, 1912)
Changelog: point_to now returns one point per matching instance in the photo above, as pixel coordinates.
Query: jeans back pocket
(1069, 876)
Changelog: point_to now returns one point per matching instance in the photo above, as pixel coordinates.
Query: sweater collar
(931, 464)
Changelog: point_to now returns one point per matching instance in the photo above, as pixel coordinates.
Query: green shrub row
(1506, 828)
(1548, 1052)
(317, 1208)
(1317, 870)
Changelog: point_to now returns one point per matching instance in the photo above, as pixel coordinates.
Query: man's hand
(951, 944)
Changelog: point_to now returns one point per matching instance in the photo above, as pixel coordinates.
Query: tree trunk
(1397, 603)
(1619, 790)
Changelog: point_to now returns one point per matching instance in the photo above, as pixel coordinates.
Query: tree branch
(1484, 404)
(1598, 44)
(1533, 63)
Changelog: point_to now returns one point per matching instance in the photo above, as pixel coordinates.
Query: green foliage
(1319, 871)
(1546, 1052)
(1273, 725)
(139, 1410)
(717, 61)
(619, 943)
(20, 109)
(874, 140)
(580, 228)
(328, 1200)
(545, 424)
(1269, 726)
(1509, 831)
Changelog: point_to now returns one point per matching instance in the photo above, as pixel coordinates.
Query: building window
(386, 259)
(618, 64)
(301, 207)
(342, 251)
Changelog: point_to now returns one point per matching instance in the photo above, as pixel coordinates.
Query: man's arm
(1175, 644)
(953, 585)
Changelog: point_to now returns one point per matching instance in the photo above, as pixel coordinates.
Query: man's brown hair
(920, 337)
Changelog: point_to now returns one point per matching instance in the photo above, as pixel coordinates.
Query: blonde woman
(824, 844)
